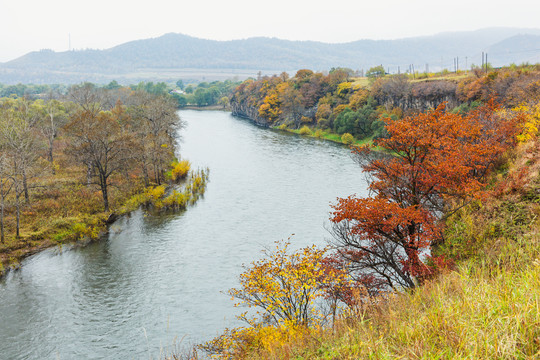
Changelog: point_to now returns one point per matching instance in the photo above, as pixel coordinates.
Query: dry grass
(61, 209)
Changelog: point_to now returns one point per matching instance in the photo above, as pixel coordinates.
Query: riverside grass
(487, 307)
(324, 134)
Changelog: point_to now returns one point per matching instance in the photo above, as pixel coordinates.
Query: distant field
(361, 81)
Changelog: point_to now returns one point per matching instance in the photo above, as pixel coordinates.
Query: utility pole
(482, 60)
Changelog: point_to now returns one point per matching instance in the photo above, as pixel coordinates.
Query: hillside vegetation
(442, 261)
(330, 106)
(485, 307)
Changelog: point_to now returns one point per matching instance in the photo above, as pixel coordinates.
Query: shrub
(176, 200)
(347, 138)
(180, 170)
(287, 288)
(306, 120)
(155, 193)
(304, 130)
(81, 230)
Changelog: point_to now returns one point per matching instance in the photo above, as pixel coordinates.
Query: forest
(71, 163)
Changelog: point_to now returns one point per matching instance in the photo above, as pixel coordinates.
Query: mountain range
(176, 56)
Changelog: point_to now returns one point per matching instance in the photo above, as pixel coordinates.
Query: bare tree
(52, 116)
(155, 122)
(21, 147)
(5, 188)
(102, 140)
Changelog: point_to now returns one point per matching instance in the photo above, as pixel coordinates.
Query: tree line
(340, 103)
(204, 93)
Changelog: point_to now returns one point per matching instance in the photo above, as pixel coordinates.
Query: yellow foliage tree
(284, 287)
(270, 109)
(344, 88)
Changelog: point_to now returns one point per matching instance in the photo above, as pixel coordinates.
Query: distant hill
(174, 56)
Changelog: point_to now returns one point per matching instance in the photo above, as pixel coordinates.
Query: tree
(224, 101)
(5, 188)
(52, 117)
(180, 84)
(113, 85)
(21, 147)
(103, 140)
(375, 72)
(284, 286)
(289, 290)
(438, 162)
(155, 121)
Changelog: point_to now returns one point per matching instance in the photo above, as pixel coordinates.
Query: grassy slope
(487, 307)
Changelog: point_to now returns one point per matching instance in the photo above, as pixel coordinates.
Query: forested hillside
(314, 103)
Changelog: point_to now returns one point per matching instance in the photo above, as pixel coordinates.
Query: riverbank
(326, 135)
(72, 215)
(201, 108)
(304, 131)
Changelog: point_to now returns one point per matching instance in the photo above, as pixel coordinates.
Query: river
(154, 279)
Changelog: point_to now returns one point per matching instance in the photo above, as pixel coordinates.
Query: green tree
(113, 85)
(376, 72)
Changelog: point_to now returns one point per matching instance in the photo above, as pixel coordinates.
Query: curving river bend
(157, 279)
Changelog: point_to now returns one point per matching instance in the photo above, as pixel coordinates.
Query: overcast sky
(29, 25)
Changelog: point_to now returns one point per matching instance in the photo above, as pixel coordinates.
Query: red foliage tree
(434, 163)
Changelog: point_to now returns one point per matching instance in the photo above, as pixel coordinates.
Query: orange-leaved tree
(434, 162)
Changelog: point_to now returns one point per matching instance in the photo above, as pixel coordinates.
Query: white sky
(29, 25)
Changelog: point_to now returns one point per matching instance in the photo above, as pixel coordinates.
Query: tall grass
(487, 307)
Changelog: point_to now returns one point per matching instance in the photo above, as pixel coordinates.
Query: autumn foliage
(437, 161)
(285, 289)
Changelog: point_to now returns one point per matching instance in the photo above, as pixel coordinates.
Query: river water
(156, 280)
